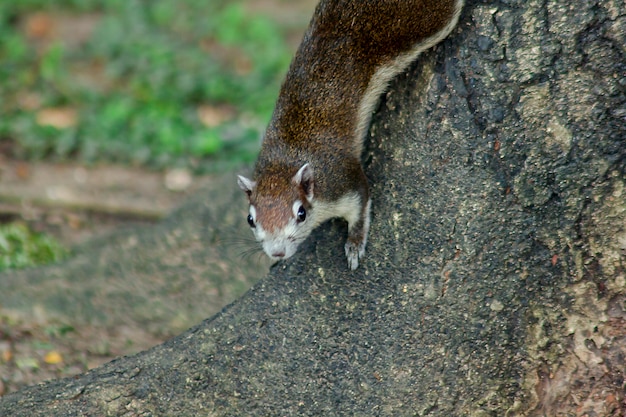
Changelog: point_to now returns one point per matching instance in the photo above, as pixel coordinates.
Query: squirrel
(309, 166)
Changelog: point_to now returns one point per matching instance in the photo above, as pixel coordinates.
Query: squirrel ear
(246, 184)
(304, 178)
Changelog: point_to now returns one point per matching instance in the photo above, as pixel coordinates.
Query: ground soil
(75, 203)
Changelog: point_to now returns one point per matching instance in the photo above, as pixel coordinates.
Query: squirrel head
(281, 213)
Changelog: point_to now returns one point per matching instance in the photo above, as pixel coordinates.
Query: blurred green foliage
(19, 247)
(137, 83)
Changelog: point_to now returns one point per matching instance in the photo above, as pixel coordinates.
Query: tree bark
(494, 280)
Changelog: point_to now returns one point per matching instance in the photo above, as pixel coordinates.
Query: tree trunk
(494, 280)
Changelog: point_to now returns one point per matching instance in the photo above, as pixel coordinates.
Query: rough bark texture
(494, 282)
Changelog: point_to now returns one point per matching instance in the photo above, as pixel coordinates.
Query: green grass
(20, 248)
(135, 86)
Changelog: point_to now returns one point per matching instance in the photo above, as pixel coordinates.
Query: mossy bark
(494, 281)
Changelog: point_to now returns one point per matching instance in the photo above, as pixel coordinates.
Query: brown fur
(316, 112)
(316, 119)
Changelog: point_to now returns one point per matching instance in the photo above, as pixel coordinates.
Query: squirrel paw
(357, 238)
(354, 252)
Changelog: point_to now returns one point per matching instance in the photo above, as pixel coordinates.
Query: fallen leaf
(7, 355)
(212, 116)
(39, 26)
(27, 363)
(22, 170)
(59, 117)
(53, 357)
(555, 259)
(73, 221)
(178, 179)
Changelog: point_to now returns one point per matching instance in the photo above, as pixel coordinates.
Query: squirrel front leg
(348, 198)
(357, 236)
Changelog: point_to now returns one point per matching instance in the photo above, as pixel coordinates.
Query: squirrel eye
(251, 221)
(301, 214)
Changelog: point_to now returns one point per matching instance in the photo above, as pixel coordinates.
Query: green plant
(19, 247)
(137, 83)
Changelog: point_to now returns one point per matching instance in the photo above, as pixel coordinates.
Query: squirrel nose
(280, 254)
